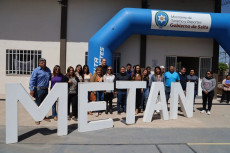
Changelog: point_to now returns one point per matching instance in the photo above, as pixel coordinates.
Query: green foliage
(222, 67)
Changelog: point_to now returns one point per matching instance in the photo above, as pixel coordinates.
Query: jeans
(195, 94)
(40, 95)
(109, 99)
(73, 99)
(100, 95)
(121, 98)
(224, 94)
(207, 97)
(144, 97)
(54, 111)
(167, 93)
(138, 98)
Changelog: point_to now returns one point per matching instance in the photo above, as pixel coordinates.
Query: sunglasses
(109, 69)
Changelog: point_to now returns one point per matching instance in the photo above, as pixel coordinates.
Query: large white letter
(84, 106)
(15, 93)
(155, 104)
(131, 87)
(186, 103)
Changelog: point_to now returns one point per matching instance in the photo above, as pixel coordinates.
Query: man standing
(170, 76)
(128, 69)
(193, 78)
(183, 78)
(150, 75)
(103, 66)
(39, 83)
(122, 93)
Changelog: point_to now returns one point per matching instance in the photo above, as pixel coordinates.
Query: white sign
(180, 21)
(15, 93)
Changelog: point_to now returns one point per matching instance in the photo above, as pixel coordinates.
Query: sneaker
(119, 112)
(68, 117)
(75, 118)
(97, 114)
(137, 111)
(203, 111)
(209, 113)
(37, 122)
(90, 113)
(46, 119)
(55, 118)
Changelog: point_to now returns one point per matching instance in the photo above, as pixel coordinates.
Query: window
(21, 62)
(205, 65)
(170, 60)
(116, 62)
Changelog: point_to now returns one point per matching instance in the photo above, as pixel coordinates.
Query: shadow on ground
(45, 131)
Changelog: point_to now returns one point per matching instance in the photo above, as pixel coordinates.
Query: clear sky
(224, 9)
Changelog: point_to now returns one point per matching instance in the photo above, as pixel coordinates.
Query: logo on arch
(161, 19)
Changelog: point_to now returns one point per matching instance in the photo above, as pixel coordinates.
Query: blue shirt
(129, 73)
(171, 77)
(40, 78)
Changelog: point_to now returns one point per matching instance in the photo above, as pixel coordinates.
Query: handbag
(93, 97)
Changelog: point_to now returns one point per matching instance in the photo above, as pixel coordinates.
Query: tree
(222, 67)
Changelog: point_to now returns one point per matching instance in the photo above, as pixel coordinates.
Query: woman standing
(97, 77)
(157, 77)
(72, 80)
(226, 89)
(109, 77)
(78, 72)
(208, 85)
(86, 75)
(145, 91)
(57, 76)
(137, 77)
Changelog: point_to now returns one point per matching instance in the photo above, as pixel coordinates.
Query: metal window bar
(21, 61)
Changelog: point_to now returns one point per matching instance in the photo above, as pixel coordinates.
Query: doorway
(189, 63)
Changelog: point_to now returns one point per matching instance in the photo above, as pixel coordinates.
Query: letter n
(186, 103)
(15, 93)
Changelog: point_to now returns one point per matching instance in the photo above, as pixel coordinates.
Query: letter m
(15, 93)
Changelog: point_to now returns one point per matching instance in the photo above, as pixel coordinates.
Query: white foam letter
(186, 103)
(131, 87)
(153, 103)
(15, 93)
(84, 106)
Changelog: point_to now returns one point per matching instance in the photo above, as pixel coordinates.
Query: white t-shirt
(108, 78)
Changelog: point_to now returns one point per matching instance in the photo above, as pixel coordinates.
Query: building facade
(60, 33)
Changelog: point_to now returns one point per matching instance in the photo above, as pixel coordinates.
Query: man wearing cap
(162, 69)
(39, 83)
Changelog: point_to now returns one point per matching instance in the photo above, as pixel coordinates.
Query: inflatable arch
(130, 21)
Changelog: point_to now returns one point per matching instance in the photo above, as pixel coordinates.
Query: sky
(224, 9)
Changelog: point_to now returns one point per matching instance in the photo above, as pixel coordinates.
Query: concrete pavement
(202, 133)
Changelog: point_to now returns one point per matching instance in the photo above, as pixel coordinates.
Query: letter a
(154, 103)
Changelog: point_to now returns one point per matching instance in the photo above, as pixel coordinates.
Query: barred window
(21, 62)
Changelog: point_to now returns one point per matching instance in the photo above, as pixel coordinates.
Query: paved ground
(202, 133)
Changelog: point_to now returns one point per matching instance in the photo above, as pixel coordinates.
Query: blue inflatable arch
(130, 21)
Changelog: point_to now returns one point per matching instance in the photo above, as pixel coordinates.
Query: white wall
(85, 18)
(158, 47)
(28, 25)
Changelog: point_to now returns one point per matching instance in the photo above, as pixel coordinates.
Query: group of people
(41, 76)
